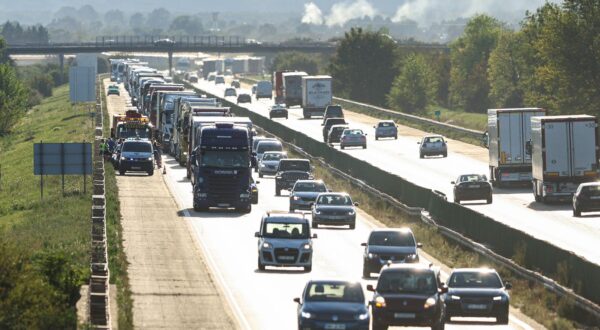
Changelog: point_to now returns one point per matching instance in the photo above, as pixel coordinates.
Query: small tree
(13, 98)
(415, 87)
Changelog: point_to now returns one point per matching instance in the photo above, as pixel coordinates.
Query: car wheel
(261, 267)
(277, 191)
(421, 155)
(292, 210)
(314, 225)
(199, 208)
(260, 175)
(490, 199)
(456, 200)
(151, 172)
(576, 212)
(286, 117)
(342, 147)
(395, 137)
(366, 270)
(438, 326)
(364, 146)
(376, 137)
(353, 225)
(445, 154)
(122, 172)
(308, 269)
(502, 319)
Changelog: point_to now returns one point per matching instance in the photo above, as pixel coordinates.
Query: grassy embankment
(117, 260)
(49, 238)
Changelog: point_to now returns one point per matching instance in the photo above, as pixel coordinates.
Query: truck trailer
(292, 88)
(316, 95)
(509, 130)
(564, 154)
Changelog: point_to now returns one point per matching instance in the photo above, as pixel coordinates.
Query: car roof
(386, 121)
(416, 266)
(295, 159)
(310, 181)
(333, 281)
(395, 230)
(334, 194)
(435, 135)
(590, 184)
(275, 152)
(474, 270)
(274, 141)
(285, 218)
(339, 125)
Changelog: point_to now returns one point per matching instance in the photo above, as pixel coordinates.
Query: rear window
(273, 156)
(334, 111)
(392, 238)
(310, 186)
(471, 178)
(346, 292)
(386, 124)
(353, 132)
(294, 166)
(433, 139)
(475, 280)
(137, 147)
(268, 146)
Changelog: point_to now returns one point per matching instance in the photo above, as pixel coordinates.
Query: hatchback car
(244, 98)
(284, 240)
(269, 162)
(304, 194)
(389, 245)
(332, 304)
(477, 292)
(193, 78)
(335, 133)
(586, 198)
(433, 145)
(408, 295)
(278, 111)
(353, 137)
(255, 141)
(470, 187)
(264, 146)
(386, 129)
(219, 80)
(332, 111)
(334, 209)
(230, 92)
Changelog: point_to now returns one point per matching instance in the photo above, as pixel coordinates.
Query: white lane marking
(520, 323)
(237, 311)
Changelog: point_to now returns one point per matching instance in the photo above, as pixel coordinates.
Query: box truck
(564, 154)
(316, 95)
(292, 88)
(508, 132)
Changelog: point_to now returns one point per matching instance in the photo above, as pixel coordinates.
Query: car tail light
(548, 189)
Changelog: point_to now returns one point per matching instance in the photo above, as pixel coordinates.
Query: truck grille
(286, 257)
(224, 188)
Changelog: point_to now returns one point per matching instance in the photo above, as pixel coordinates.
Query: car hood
(293, 243)
(334, 307)
(380, 249)
(306, 194)
(270, 162)
(476, 292)
(131, 154)
(331, 208)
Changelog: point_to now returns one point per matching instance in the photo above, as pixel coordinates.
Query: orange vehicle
(131, 124)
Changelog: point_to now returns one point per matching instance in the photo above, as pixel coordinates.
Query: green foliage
(41, 79)
(363, 66)
(14, 33)
(295, 61)
(13, 99)
(415, 87)
(189, 25)
(469, 87)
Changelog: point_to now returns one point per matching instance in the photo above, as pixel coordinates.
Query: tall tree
(363, 66)
(190, 25)
(159, 19)
(415, 87)
(469, 87)
(13, 98)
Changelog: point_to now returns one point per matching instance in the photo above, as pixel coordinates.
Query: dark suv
(389, 245)
(408, 295)
(332, 111)
(289, 171)
(330, 122)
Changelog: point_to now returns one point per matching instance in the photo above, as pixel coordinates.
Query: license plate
(338, 326)
(404, 315)
(595, 197)
(475, 186)
(136, 168)
(286, 258)
(476, 306)
(223, 205)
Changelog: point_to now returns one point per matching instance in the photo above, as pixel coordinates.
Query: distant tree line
(552, 61)
(14, 33)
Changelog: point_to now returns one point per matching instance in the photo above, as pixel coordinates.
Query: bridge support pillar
(61, 61)
(171, 63)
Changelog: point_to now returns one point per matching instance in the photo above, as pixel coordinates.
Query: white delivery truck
(316, 95)
(564, 154)
(264, 89)
(292, 87)
(509, 130)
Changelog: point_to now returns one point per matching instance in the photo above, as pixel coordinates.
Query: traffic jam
(225, 158)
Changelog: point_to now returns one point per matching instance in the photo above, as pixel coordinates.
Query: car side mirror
(528, 148)
(419, 245)
(507, 286)
(444, 289)
(356, 204)
(315, 236)
(363, 244)
(452, 182)
(370, 288)
(257, 234)
(418, 142)
(297, 300)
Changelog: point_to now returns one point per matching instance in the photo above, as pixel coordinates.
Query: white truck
(564, 154)
(264, 89)
(292, 87)
(316, 95)
(508, 133)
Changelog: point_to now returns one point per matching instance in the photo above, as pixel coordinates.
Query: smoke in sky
(312, 14)
(339, 14)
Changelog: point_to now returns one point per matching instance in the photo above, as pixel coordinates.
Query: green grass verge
(117, 260)
(57, 227)
(476, 121)
(530, 298)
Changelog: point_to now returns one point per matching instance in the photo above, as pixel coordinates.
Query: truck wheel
(292, 210)
(314, 225)
(576, 212)
(247, 209)
(342, 146)
(199, 208)
(456, 200)
(277, 191)
(122, 172)
(379, 326)
(490, 199)
(376, 137)
(421, 155)
(151, 172)
(261, 267)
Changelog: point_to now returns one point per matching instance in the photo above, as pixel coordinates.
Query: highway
(514, 207)
(263, 300)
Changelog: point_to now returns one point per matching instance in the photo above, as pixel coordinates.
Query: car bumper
(472, 194)
(353, 143)
(205, 200)
(334, 220)
(405, 318)
(305, 324)
(375, 264)
(386, 134)
(127, 165)
(267, 258)
(278, 114)
(457, 308)
(433, 152)
(588, 205)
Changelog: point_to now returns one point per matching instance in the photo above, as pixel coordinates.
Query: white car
(269, 162)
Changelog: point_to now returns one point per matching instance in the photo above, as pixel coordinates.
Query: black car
(278, 111)
(408, 295)
(332, 304)
(334, 209)
(586, 198)
(389, 245)
(244, 98)
(332, 111)
(289, 171)
(477, 292)
(330, 122)
(335, 133)
(136, 155)
(470, 187)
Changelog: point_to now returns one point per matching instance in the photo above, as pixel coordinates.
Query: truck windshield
(224, 159)
(285, 230)
(132, 132)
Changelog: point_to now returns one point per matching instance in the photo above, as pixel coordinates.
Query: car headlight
(149, 158)
(295, 198)
(202, 195)
(266, 245)
(317, 211)
(306, 246)
(123, 158)
(498, 298)
(430, 302)
(244, 195)
(372, 256)
(278, 177)
(379, 302)
(305, 315)
(453, 297)
(310, 177)
(411, 257)
(363, 316)
(351, 212)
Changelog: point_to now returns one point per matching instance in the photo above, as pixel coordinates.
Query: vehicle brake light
(548, 188)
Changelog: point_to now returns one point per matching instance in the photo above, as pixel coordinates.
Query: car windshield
(341, 292)
(334, 200)
(591, 190)
(257, 140)
(353, 132)
(334, 111)
(294, 166)
(475, 280)
(407, 281)
(227, 159)
(471, 178)
(392, 238)
(433, 139)
(310, 186)
(386, 124)
(269, 146)
(285, 230)
(273, 156)
(137, 147)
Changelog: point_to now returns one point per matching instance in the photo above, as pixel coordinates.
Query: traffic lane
(266, 297)
(517, 210)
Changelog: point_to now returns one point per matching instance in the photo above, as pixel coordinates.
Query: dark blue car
(332, 304)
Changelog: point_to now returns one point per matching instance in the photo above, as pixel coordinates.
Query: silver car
(284, 240)
(386, 128)
(353, 137)
(335, 209)
(433, 145)
(269, 162)
(304, 194)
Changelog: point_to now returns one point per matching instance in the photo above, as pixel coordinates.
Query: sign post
(62, 159)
